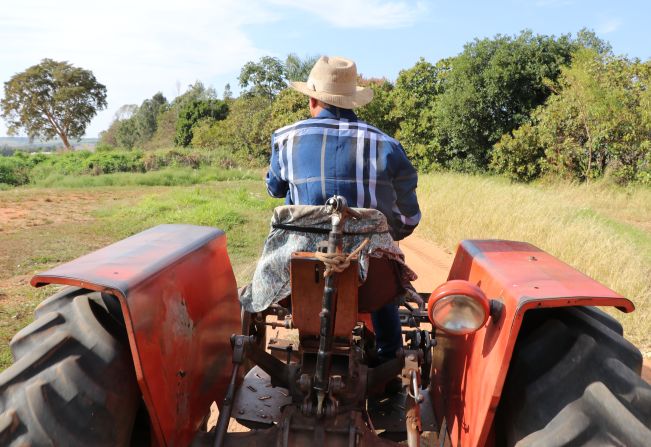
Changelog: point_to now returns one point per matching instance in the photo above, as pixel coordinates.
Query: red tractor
(511, 350)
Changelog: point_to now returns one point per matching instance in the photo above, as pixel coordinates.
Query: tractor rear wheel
(73, 382)
(574, 380)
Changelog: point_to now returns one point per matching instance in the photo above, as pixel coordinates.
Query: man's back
(335, 154)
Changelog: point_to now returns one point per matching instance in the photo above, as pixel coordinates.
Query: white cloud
(361, 13)
(134, 47)
(610, 25)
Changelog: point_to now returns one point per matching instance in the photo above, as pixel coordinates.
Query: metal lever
(337, 207)
(239, 343)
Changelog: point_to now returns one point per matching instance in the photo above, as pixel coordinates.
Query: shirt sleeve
(276, 186)
(406, 210)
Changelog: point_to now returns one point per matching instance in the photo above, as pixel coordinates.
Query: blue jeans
(388, 335)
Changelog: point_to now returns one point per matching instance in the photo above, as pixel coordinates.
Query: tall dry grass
(602, 231)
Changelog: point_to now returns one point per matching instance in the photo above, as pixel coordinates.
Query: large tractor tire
(73, 382)
(574, 380)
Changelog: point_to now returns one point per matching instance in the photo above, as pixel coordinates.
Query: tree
(108, 137)
(192, 112)
(125, 112)
(251, 120)
(52, 99)
(520, 156)
(288, 107)
(596, 121)
(135, 125)
(297, 69)
(244, 132)
(196, 91)
(126, 135)
(414, 98)
(587, 38)
(147, 114)
(264, 78)
(166, 122)
(378, 112)
(228, 93)
(491, 89)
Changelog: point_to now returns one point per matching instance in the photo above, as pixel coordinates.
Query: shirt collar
(333, 112)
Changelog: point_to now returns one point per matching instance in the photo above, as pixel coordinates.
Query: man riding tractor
(334, 153)
(511, 350)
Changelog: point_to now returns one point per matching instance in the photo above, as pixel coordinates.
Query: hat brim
(361, 97)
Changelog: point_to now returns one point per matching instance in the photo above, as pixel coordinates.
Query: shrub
(115, 161)
(245, 130)
(14, 170)
(85, 162)
(519, 156)
(194, 111)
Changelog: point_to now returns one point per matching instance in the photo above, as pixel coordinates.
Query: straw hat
(333, 80)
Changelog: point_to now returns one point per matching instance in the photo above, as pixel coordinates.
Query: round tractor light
(458, 307)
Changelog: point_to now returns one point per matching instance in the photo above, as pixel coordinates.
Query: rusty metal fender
(178, 296)
(468, 372)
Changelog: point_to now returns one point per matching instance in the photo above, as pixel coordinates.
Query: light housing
(458, 307)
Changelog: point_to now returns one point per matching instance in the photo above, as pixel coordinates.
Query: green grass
(602, 231)
(164, 177)
(118, 167)
(242, 208)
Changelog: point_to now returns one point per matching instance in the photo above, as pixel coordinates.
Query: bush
(244, 131)
(519, 156)
(596, 123)
(85, 163)
(192, 113)
(116, 167)
(115, 161)
(14, 170)
(175, 158)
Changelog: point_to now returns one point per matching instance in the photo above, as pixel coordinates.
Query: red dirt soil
(428, 260)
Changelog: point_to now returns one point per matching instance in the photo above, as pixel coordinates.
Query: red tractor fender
(178, 296)
(468, 372)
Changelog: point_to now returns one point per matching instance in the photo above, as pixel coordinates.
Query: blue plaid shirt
(334, 153)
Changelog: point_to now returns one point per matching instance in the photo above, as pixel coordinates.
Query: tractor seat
(382, 286)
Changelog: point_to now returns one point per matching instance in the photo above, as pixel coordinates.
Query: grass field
(602, 231)
(605, 233)
(40, 228)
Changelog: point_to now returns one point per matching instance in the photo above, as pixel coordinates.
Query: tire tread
(72, 382)
(574, 380)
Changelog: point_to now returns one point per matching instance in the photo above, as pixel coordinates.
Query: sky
(139, 47)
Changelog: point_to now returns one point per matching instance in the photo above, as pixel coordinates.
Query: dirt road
(429, 261)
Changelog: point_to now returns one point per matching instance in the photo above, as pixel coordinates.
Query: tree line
(525, 106)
